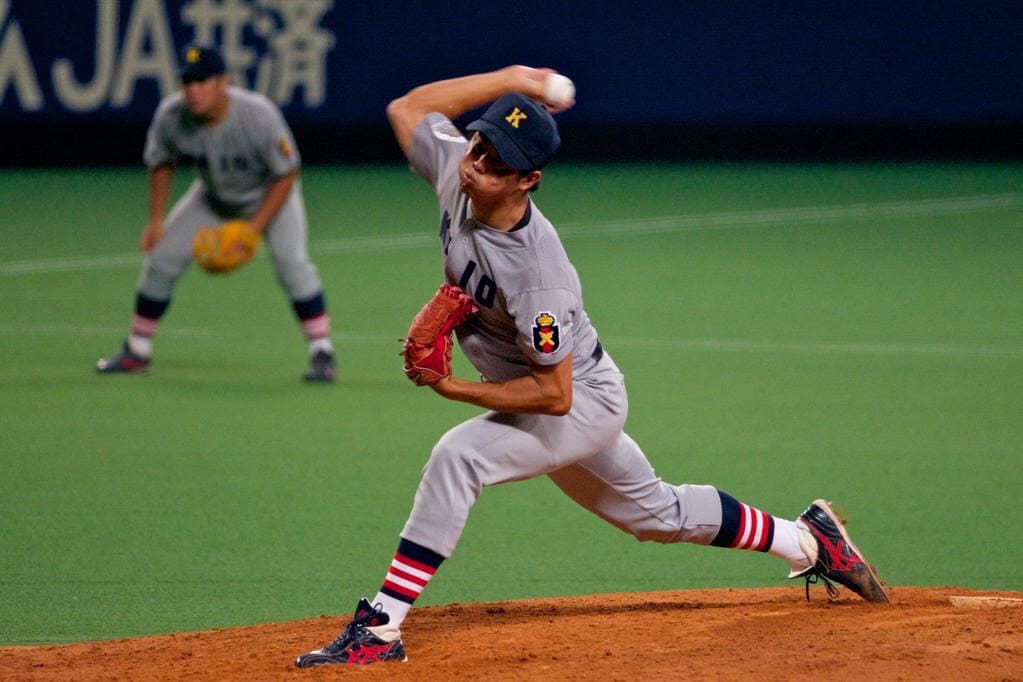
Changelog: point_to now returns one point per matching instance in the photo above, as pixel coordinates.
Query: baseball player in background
(248, 167)
(556, 402)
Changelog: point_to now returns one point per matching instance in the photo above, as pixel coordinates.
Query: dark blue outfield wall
(79, 79)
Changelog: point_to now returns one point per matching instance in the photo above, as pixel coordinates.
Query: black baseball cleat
(837, 558)
(357, 645)
(321, 368)
(123, 362)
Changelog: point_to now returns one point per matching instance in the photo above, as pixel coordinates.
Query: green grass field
(787, 332)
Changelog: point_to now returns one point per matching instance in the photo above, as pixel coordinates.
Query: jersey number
(486, 288)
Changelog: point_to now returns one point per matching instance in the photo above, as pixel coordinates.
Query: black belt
(598, 352)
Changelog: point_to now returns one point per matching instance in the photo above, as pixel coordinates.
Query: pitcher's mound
(771, 633)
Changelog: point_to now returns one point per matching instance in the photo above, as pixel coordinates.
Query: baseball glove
(222, 249)
(427, 349)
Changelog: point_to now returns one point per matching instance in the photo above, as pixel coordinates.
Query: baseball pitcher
(555, 401)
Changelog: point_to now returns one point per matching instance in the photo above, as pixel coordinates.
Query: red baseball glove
(427, 349)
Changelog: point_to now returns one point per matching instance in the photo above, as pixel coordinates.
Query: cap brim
(505, 146)
(196, 75)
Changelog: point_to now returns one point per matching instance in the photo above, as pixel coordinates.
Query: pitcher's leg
(488, 449)
(619, 485)
(496, 448)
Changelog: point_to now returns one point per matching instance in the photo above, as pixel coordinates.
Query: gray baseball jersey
(236, 161)
(529, 295)
(238, 158)
(531, 308)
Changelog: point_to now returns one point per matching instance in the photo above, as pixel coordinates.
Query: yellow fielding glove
(222, 249)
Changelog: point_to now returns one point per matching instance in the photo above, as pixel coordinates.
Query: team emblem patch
(284, 147)
(546, 333)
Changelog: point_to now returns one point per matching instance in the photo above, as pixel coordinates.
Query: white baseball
(558, 89)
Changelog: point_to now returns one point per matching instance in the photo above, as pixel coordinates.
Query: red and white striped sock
(743, 526)
(746, 527)
(317, 331)
(408, 575)
(756, 529)
(316, 327)
(140, 340)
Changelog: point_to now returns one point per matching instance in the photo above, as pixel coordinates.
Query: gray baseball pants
(585, 453)
(285, 240)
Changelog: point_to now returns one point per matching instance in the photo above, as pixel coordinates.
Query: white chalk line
(626, 227)
(612, 343)
(815, 347)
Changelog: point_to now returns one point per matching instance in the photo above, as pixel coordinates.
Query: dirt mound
(926, 633)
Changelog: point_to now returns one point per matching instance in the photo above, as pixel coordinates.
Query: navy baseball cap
(522, 131)
(199, 62)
